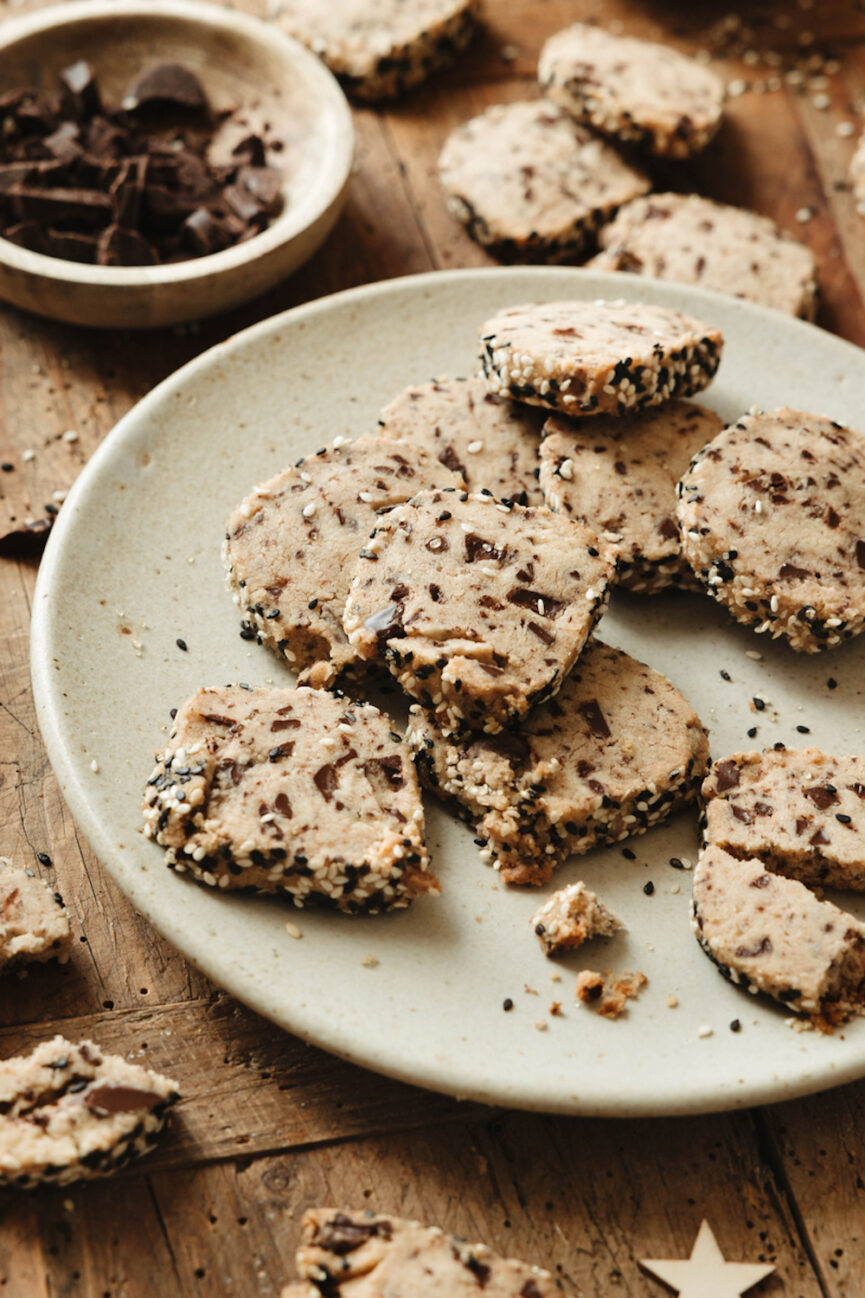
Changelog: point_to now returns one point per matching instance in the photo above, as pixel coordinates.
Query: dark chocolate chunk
(164, 84)
(118, 247)
(120, 1099)
(82, 92)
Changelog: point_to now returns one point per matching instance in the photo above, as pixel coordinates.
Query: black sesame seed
(725, 676)
(628, 854)
(181, 644)
(43, 858)
(173, 713)
(676, 863)
(735, 1026)
(507, 1004)
(648, 888)
(752, 733)
(759, 704)
(804, 730)
(845, 820)
(313, 603)
(832, 684)
(7, 468)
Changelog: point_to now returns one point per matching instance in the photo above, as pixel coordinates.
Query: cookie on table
(616, 751)
(634, 90)
(373, 1253)
(301, 792)
(531, 184)
(571, 917)
(490, 442)
(619, 476)
(770, 934)
(691, 240)
(70, 1112)
(800, 811)
(595, 358)
(479, 609)
(291, 546)
(772, 518)
(34, 923)
(378, 49)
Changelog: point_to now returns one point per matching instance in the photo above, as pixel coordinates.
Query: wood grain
(271, 1126)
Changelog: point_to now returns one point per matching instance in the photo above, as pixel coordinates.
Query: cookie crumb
(592, 990)
(370, 962)
(672, 1002)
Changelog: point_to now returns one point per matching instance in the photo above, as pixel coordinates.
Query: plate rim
(435, 1076)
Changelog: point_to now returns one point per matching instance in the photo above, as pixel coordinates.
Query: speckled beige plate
(135, 558)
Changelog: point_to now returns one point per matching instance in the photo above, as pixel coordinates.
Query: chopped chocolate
(130, 185)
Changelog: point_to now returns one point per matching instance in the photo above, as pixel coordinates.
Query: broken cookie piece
(616, 751)
(69, 1112)
(478, 608)
(369, 1255)
(771, 934)
(609, 999)
(800, 812)
(596, 358)
(291, 546)
(294, 791)
(34, 923)
(570, 917)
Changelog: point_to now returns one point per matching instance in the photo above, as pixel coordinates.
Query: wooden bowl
(243, 65)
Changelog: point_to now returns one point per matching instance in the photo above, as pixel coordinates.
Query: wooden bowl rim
(291, 223)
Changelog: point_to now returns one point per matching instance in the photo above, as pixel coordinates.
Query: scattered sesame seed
(94, 766)
(804, 730)
(648, 888)
(507, 1004)
(70, 435)
(821, 102)
(27, 456)
(672, 1002)
(704, 1030)
(735, 1025)
(845, 129)
(370, 961)
(309, 510)
(754, 655)
(292, 930)
(181, 644)
(474, 448)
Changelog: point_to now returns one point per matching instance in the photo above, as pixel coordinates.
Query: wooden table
(268, 1125)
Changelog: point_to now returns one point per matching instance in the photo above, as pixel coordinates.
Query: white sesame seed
(70, 436)
(27, 456)
(309, 510)
(821, 101)
(755, 654)
(566, 469)
(59, 496)
(292, 930)
(845, 129)
(704, 1030)
(804, 214)
(94, 766)
(365, 496)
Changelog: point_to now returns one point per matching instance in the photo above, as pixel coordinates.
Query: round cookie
(531, 184)
(593, 358)
(800, 812)
(619, 476)
(479, 609)
(770, 934)
(491, 443)
(691, 240)
(377, 49)
(291, 546)
(301, 792)
(616, 751)
(634, 90)
(772, 518)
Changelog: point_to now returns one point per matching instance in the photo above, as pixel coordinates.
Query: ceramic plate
(133, 564)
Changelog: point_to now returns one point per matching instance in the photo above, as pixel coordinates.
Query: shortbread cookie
(295, 791)
(571, 917)
(369, 1255)
(34, 923)
(801, 812)
(634, 90)
(69, 1112)
(377, 49)
(291, 547)
(479, 609)
(691, 240)
(772, 517)
(490, 442)
(531, 184)
(770, 934)
(595, 358)
(615, 752)
(619, 476)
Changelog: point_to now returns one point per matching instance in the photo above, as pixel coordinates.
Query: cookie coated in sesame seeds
(614, 753)
(34, 923)
(637, 91)
(479, 609)
(691, 240)
(300, 792)
(490, 442)
(70, 1112)
(770, 934)
(595, 358)
(291, 546)
(378, 49)
(619, 475)
(772, 518)
(571, 917)
(368, 1254)
(799, 811)
(531, 184)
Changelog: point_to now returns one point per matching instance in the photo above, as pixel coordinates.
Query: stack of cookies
(552, 179)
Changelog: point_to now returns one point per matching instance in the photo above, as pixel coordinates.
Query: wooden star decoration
(706, 1273)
